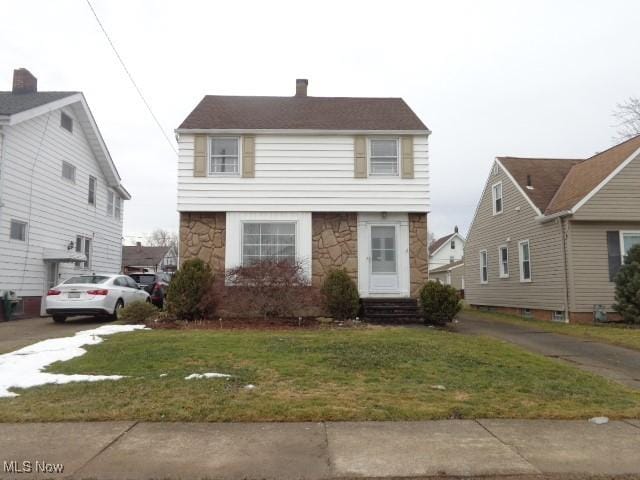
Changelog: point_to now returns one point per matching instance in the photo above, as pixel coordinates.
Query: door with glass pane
(383, 259)
(50, 281)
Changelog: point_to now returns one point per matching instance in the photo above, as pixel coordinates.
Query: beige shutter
(249, 156)
(360, 157)
(200, 156)
(407, 157)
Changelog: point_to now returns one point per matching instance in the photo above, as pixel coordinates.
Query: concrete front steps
(390, 310)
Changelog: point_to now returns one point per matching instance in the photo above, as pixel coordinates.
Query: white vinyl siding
(383, 156)
(484, 267)
(55, 210)
(525, 260)
(311, 173)
(496, 192)
(224, 155)
(503, 260)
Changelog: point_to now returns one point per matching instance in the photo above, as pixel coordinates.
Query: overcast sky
(489, 78)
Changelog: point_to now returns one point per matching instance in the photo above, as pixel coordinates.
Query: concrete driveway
(20, 333)
(616, 363)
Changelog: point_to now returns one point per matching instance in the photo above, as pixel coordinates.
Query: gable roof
(447, 267)
(302, 113)
(559, 185)
(440, 242)
(11, 103)
(136, 256)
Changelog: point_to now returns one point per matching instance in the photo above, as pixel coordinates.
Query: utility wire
(164, 134)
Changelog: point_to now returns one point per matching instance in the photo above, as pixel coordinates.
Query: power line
(144, 100)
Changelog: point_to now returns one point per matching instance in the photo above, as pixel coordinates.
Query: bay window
(268, 241)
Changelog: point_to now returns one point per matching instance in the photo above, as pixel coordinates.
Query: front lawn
(619, 334)
(374, 373)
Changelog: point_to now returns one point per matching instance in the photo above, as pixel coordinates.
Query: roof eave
(299, 131)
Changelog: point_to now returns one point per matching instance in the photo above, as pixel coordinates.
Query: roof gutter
(549, 218)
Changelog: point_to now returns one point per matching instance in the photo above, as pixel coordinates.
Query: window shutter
(615, 256)
(407, 157)
(200, 156)
(249, 156)
(360, 157)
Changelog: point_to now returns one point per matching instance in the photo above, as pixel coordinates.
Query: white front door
(383, 259)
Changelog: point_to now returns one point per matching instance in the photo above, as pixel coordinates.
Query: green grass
(621, 334)
(376, 373)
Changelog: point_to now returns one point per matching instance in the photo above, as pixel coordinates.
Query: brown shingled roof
(137, 256)
(447, 267)
(318, 113)
(559, 184)
(438, 243)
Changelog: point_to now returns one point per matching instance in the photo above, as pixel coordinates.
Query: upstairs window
(118, 207)
(224, 156)
(68, 171)
(93, 183)
(525, 261)
(504, 261)
(268, 241)
(496, 192)
(110, 201)
(453, 244)
(18, 230)
(383, 157)
(628, 239)
(484, 267)
(66, 122)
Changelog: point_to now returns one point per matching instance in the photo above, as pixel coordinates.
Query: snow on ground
(206, 375)
(24, 368)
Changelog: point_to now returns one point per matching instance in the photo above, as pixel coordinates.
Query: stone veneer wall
(202, 235)
(418, 251)
(334, 244)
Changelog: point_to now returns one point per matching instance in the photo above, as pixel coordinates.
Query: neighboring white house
(446, 250)
(139, 258)
(60, 193)
(332, 182)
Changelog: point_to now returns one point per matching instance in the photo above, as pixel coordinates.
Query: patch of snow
(438, 387)
(24, 368)
(599, 420)
(163, 374)
(206, 375)
(250, 386)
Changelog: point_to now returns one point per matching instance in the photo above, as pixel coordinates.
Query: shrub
(439, 303)
(138, 312)
(191, 294)
(340, 295)
(268, 288)
(628, 287)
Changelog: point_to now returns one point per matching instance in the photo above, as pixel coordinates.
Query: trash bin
(9, 304)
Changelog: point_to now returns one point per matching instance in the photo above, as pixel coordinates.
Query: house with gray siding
(549, 235)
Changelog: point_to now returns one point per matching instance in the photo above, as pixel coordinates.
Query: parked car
(97, 295)
(155, 284)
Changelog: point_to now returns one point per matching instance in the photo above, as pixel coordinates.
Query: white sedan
(98, 295)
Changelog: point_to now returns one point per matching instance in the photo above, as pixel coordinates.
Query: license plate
(74, 295)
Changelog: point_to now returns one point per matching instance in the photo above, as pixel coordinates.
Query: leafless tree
(162, 238)
(628, 116)
(430, 239)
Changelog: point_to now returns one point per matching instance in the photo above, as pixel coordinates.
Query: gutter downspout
(2, 172)
(548, 218)
(565, 264)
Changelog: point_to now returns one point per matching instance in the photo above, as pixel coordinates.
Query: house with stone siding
(549, 235)
(332, 182)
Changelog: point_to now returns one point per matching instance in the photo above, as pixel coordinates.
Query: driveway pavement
(522, 449)
(20, 333)
(617, 363)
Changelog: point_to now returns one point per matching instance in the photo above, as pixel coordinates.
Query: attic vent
(66, 122)
(495, 169)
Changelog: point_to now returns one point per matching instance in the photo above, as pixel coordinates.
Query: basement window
(558, 316)
(66, 122)
(526, 313)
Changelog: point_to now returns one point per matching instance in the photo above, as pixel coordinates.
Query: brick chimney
(139, 246)
(24, 81)
(301, 87)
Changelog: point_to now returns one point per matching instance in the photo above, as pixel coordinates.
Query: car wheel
(59, 318)
(116, 310)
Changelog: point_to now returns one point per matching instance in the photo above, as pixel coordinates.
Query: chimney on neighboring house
(301, 87)
(24, 81)
(456, 229)
(139, 246)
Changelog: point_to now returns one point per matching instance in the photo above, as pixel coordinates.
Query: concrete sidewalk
(466, 448)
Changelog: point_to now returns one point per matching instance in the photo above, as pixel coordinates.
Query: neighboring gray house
(450, 274)
(549, 235)
(136, 258)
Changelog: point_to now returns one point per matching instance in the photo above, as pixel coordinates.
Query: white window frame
(558, 316)
(520, 261)
(210, 172)
(398, 157)
(84, 265)
(494, 198)
(92, 200)
(484, 267)
(243, 223)
(26, 230)
(111, 196)
(501, 264)
(73, 169)
(622, 234)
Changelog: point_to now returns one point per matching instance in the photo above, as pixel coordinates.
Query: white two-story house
(61, 199)
(331, 182)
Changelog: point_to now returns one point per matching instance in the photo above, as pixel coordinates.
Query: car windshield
(144, 279)
(88, 279)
